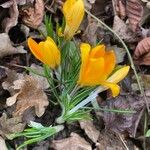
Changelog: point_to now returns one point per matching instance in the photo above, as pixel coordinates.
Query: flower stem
(90, 98)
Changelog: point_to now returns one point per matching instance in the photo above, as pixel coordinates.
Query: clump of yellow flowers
(76, 76)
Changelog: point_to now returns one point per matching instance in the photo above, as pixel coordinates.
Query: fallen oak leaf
(8, 84)
(3, 144)
(124, 122)
(123, 31)
(33, 16)
(41, 80)
(134, 10)
(10, 125)
(142, 52)
(90, 130)
(75, 142)
(30, 95)
(11, 21)
(6, 47)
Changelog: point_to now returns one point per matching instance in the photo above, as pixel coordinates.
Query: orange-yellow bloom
(97, 65)
(46, 51)
(73, 11)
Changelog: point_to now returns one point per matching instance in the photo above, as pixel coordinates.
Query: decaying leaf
(109, 141)
(10, 125)
(90, 130)
(41, 80)
(120, 8)
(123, 31)
(11, 21)
(120, 53)
(6, 47)
(2, 73)
(120, 122)
(75, 142)
(3, 144)
(134, 11)
(90, 31)
(11, 77)
(142, 52)
(30, 95)
(146, 80)
(33, 16)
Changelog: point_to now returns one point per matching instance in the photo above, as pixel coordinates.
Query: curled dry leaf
(120, 122)
(120, 8)
(90, 130)
(142, 52)
(29, 95)
(109, 141)
(120, 53)
(11, 77)
(33, 16)
(41, 80)
(2, 73)
(123, 31)
(6, 47)
(75, 142)
(11, 21)
(134, 11)
(90, 31)
(10, 125)
(3, 144)
(146, 80)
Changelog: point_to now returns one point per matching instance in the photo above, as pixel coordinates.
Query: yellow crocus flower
(46, 51)
(73, 11)
(97, 65)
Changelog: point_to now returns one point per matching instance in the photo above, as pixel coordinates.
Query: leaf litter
(27, 91)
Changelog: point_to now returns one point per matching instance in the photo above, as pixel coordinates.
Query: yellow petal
(50, 54)
(67, 5)
(34, 47)
(85, 50)
(94, 72)
(119, 75)
(73, 12)
(98, 51)
(110, 61)
(114, 88)
(55, 50)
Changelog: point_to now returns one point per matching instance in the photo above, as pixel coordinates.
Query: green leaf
(148, 133)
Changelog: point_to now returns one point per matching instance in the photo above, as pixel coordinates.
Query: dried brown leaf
(30, 95)
(120, 8)
(8, 84)
(90, 130)
(2, 73)
(11, 21)
(41, 80)
(6, 47)
(120, 53)
(123, 31)
(90, 31)
(146, 80)
(33, 16)
(120, 122)
(134, 11)
(10, 125)
(142, 52)
(109, 141)
(75, 142)
(3, 144)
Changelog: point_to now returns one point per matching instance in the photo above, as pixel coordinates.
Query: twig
(128, 53)
(125, 145)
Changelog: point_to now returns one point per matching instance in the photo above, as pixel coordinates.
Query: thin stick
(128, 53)
(123, 142)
